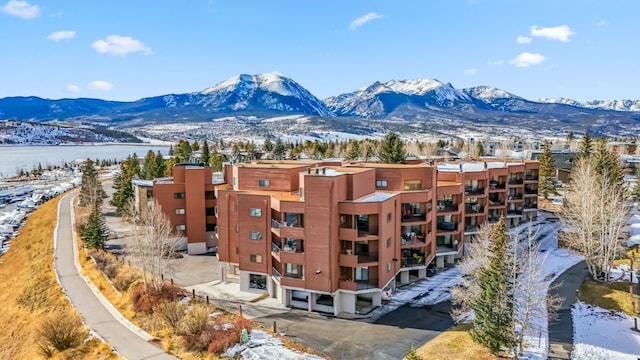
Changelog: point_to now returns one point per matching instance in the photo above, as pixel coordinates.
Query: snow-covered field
(634, 227)
(264, 346)
(603, 334)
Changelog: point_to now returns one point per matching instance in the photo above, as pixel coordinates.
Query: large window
(181, 227)
(178, 195)
(255, 235)
(255, 212)
(179, 211)
(413, 184)
(263, 183)
(362, 274)
(382, 184)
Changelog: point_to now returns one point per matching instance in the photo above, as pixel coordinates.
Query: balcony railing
(413, 217)
(275, 248)
(275, 224)
(531, 206)
(496, 186)
(531, 191)
(514, 212)
(517, 196)
(493, 219)
(412, 261)
(413, 240)
(447, 207)
(275, 273)
(531, 177)
(471, 228)
(515, 181)
(473, 209)
(498, 202)
(447, 226)
(474, 191)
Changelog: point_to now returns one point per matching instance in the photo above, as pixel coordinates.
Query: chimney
(308, 170)
(324, 171)
(317, 170)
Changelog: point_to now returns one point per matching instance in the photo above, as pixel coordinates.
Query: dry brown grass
(612, 295)
(453, 344)
(29, 291)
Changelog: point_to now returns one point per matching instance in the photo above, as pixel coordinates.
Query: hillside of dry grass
(29, 293)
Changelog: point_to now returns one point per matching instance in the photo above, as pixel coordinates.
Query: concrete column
(439, 262)
(404, 277)
(376, 299)
(450, 259)
(422, 273)
(311, 301)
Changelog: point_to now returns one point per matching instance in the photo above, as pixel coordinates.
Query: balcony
(531, 178)
(471, 229)
(531, 206)
(414, 217)
(275, 273)
(413, 261)
(349, 260)
(349, 284)
(275, 248)
(497, 186)
(493, 219)
(515, 197)
(413, 240)
(516, 182)
(474, 191)
(497, 202)
(355, 234)
(447, 226)
(473, 209)
(514, 213)
(445, 207)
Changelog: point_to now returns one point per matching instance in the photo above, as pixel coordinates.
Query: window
(388, 217)
(255, 212)
(178, 195)
(211, 227)
(210, 211)
(388, 242)
(362, 274)
(181, 227)
(263, 183)
(179, 211)
(293, 269)
(237, 229)
(388, 267)
(254, 258)
(382, 184)
(413, 184)
(255, 235)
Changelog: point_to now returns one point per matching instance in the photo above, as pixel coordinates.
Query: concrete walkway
(98, 314)
(561, 330)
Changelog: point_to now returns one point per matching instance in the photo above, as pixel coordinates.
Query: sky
(126, 50)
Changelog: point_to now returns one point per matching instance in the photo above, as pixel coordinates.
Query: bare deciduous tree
(596, 213)
(154, 243)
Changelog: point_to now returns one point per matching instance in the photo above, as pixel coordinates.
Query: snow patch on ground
(634, 228)
(264, 346)
(622, 272)
(603, 334)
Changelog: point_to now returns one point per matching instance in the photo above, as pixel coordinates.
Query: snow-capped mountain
(262, 92)
(617, 105)
(21, 132)
(382, 99)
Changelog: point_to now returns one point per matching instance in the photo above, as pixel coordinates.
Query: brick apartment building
(329, 236)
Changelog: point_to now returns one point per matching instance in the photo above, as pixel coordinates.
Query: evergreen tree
(216, 160)
(570, 136)
(480, 148)
(168, 166)
(412, 354)
(161, 165)
(268, 145)
(586, 147)
(183, 152)
(205, 154)
(392, 150)
(122, 184)
(368, 150)
(195, 146)
(94, 232)
(353, 150)
(279, 150)
(547, 173)
(493, 323)
(91, 192)
(171, 151)
(607, 164)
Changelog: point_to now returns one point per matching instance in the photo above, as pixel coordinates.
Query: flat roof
(475, 166)
(271, 165)
(376, 197)
(393, 166)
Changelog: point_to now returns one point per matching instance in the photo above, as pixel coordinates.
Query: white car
(386, 293)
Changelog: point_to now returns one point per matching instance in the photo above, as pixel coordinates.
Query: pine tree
(94, 232)
(586, 147)
(480, 148)
(607, 164)
(279, 150)
(122, 184)
(205, 154)
(493, 323)
(171, 151)
(183, 152)
(412, 354)
(268, 145)
(91, 191)
(547, 171)
(353, 150)
(392, 150)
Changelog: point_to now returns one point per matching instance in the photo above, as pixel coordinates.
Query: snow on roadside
(264, 346)
(623, 272)
(603, 334)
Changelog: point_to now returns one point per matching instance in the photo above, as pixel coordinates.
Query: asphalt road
(561, 329)
(125, 340)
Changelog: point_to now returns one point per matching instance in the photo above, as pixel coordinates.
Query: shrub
(101, 259)
(124, 279)
(111, 271)
(35, 295)
(195, 321)
(224, 334)
(61, 332)
(172, 313)
(146, 300)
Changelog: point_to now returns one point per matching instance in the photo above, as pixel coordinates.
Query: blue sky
(126, 50)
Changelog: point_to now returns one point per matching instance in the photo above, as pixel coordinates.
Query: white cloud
(523, 39)
(363, 20)
(471, 71)
(527, 59)
(61, 35)
(72, 88)
(602, 22)
(495, 62)
(100, 85)
(120, 45)
(21, 9)
(560, 33)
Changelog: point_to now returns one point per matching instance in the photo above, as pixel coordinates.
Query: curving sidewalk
(98, 314)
